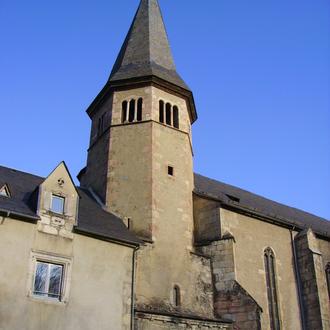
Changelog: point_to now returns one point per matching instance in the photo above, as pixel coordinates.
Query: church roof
(146, 50)
(92, 219)
(245, 201)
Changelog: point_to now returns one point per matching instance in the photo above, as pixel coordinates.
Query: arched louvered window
(161, 111)
(124, 113)
(175, 117)
(139, 109)
(270, 269)
(176, 296)
(131, 115)
(327, 273)
(168, 114)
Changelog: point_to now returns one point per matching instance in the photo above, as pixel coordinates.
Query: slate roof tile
(228, 195)
(92, 219)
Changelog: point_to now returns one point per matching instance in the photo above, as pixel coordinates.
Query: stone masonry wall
(206, 219)
(145, 321)
(316, 303)
(231, 300)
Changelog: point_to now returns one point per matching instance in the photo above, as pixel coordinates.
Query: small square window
(57, 205)
(170, 170)
(48, 279)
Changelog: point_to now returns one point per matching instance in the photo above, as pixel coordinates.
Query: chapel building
(143, 243)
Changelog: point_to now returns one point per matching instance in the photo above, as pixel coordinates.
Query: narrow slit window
(124, 112)
(48, 280)
(139, 109)
(131, 111)
(176, 296)
(271, 282)
(168, 114)
(101, 124)
(99, 127)
(161, 111)
(176, 117)
(170, 170)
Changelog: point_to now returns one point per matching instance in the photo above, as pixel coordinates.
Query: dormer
(58, 201)
(4, 191)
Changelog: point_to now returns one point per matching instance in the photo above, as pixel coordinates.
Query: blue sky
(259, 71)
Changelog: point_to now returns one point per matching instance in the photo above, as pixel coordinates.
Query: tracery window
(270, 269)
(132, 111)
(168, 114)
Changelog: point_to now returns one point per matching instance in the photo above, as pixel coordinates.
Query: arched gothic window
(176, 296)
(270, 269)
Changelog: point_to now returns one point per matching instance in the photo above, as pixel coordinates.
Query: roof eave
(260, 215)
(102, 237)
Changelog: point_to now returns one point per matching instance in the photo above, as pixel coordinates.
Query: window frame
(56, 296)
(58, 196)
(54, 259)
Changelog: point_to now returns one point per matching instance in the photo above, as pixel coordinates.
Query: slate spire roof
(146, 50)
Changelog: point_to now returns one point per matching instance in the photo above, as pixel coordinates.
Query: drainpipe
(133, 286)
(299, 283)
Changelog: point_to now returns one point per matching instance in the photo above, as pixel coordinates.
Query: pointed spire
(146, 50)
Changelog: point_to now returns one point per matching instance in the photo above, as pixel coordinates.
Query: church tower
(140, 165)
(140, 155)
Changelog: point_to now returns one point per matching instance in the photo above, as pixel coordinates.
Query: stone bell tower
(140, 155)
(140, 165)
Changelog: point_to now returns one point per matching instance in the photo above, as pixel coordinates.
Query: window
(124, 115)
(175, 117)
(139, 109)
(57, 205)
(4, 191)
(176, 296)
(132, 111)
(48, 280)
(270, 269)
(161, 111)
(49, 277)
(101, 124)
(131, 115)
(327, 273)
(170, 170)
(168, 114)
